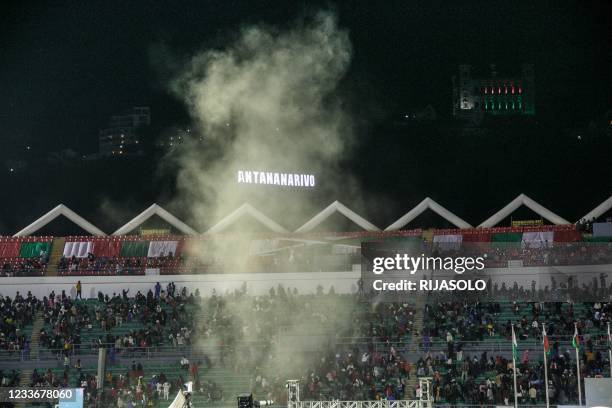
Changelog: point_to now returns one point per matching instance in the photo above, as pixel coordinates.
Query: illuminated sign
(275, 179)
(527, 223)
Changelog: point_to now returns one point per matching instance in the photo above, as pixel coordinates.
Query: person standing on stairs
(78, 290)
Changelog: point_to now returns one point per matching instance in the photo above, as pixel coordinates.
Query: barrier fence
(357, 404)
(89, 349)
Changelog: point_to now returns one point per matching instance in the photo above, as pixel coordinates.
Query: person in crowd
(184, 363)
(78, 287)
(166, 390)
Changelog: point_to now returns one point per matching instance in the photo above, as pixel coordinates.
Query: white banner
(162, 248)
(537, 239)
(179, 401)
(449, 241)
(77, 249)
(602, 229)
(152, 271)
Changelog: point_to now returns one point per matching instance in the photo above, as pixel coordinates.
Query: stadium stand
(174, 254)
(378, 353)
(340, 346)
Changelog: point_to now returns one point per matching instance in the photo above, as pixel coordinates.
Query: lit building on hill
(476, 95)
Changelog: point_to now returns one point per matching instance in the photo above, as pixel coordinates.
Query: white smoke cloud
(268, 102)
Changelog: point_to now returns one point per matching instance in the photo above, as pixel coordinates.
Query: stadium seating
(174, 254)
(131, 255)
(378, 351)
(24, 256)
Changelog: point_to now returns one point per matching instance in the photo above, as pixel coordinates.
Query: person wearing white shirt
(166, 390)
(184, 363)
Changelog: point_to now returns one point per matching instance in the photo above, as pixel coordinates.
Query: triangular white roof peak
(56, 212)
(599, 210)
(423, 206)
(337, 206)
(247, 209)
(161, 213)
(527, 202)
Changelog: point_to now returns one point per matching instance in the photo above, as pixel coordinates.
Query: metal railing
(599, 342)
(90, 350)
(358, 404)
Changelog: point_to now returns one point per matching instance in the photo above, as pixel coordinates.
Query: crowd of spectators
(498, 255)
(381, 369)
(359, 375)
(15, 314)
(556, 254)
(488, 380)
(468, 321)
(127, 389)
(461, 322)
(351, 368)
(135, 389)
(162, 316)
(64, 318)
(165, 317)
(93, 265)
(364, 350)
(24, 267)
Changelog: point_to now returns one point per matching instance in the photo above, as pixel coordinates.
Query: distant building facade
(476, 95)
(120, 137)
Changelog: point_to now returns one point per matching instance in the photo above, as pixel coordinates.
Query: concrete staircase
(57, 250)
(413, 347)
(39, 322)
(26, 373)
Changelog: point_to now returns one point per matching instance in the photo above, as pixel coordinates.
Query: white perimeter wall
(260, 283)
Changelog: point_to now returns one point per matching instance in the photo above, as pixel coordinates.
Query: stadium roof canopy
(246, 209)
(56, 212)
(423, 206)
(334, 207)
(522, 199)
(161, 213)
(599, 210)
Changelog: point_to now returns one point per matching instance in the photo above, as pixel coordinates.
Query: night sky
(66, 66)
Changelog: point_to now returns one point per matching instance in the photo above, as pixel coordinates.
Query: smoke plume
(266, 102)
